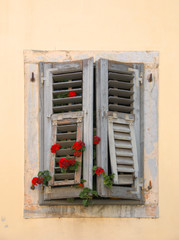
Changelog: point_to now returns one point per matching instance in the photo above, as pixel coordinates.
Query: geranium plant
(54, 148)
(42, 179)
(78, 148)
(68, 164)
(108, 180)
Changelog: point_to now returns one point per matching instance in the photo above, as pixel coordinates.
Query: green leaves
(108, 180)
(87, 195)
(46, 177)
(62, 95)
(75, 166)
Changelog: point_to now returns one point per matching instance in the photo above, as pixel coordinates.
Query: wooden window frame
(32, 208)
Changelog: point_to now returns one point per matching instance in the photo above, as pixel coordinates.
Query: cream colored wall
(87, 25)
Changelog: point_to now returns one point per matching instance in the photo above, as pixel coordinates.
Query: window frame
(32, 60)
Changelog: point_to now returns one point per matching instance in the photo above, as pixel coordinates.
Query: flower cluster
(99, 171)
(54, 148)
(42, 179)
(37, 180)
(70, 164)
(96, 140)
(78, 148)
(72, 94)
(65, 163)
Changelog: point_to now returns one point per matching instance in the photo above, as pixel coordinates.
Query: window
(112, 92)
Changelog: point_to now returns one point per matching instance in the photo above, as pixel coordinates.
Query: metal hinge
(141, 78)
(42, 78)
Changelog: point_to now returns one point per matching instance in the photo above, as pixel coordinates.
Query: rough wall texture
(87, 25)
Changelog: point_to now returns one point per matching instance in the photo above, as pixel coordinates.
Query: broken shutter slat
(120, 104)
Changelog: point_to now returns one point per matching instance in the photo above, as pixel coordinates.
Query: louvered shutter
(65, 121)
(118, 125)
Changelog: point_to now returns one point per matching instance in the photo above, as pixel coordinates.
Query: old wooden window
(118, 123)
(117, 93)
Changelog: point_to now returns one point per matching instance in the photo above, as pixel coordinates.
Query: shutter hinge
(141, 184)
(42, 78)
(141, 78)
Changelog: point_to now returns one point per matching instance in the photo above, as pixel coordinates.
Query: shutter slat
(120, 108)
(66, 143)
(65, 128)
(125, 179)
(124, 168)
(124, 160)
(61, 176)
(120, 76)
(122, 136)
(121, 93)
(77, 90)
(114, 66)
(67, 108)
(62, 136)
(123, 144)
(64, 152)
(119, 100)
(123, 152)
(119, 84)
(67, 76)
(70, 84)
(121, 128)
(68, 100)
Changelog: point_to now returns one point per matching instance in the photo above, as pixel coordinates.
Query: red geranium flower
(39, 180)
(55, 148)
(64, 163)
(72, 161)
(72, 94)
(99, 170)
(34, 181)
(78, 145)
(77, 154)
(81, 185)
(96, 140)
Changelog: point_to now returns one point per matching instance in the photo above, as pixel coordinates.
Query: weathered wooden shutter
(118, 125)
(67, 120)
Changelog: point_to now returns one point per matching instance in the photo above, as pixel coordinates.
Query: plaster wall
(86, 25)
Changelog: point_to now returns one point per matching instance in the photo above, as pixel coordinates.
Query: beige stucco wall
(86, 25)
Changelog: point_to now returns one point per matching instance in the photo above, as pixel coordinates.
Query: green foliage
(87, 195)
(62, 95)
(94, 167)
(75, 166)
(108, 180)
(46, 177)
